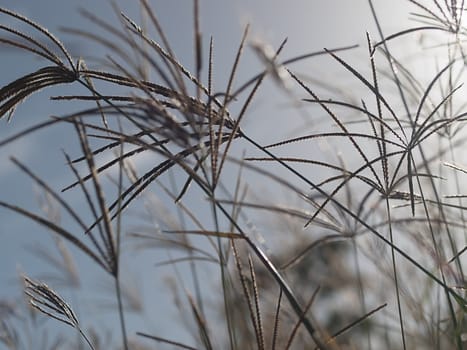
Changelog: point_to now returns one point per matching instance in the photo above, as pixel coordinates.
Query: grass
(366, 251)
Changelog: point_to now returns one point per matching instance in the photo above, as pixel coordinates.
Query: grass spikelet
(47, 301)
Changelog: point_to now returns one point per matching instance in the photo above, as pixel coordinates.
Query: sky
(309, 25)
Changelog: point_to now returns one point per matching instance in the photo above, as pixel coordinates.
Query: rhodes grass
(364, 250)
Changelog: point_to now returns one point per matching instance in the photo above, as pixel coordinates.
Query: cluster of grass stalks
(366, 248)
